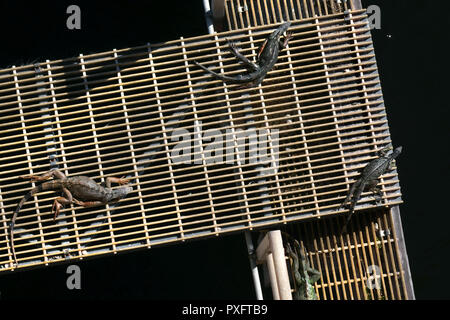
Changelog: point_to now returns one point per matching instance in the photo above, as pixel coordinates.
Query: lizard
(266, 58)
(370, 178)
(80, 190)
(304, 275)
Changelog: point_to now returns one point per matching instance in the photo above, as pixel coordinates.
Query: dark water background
(410, 49)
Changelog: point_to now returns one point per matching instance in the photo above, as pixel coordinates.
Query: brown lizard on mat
(80, 190)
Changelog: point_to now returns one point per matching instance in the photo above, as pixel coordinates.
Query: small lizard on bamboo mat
(80, 190)
(266, 59)
(369, 178)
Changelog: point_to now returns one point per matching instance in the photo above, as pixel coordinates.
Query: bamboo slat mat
(320, 114)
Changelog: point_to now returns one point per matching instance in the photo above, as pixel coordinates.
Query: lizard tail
(352, 208)
(222, 77)
(349, 194)
(348, 216)
(42, 187)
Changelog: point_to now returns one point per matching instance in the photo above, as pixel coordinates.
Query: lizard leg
(241, 57)
(61, 201)
(383, 151)
(350, 193)
(314, 274)
(392, 165)
(52, 173)
(261, 49)
(285, 41)
(57, 204)
(120, 181)
(88, 203)
(372, 186)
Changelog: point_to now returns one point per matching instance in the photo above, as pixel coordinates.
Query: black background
(410, 51)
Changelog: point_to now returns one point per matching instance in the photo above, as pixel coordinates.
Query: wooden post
(270, 250)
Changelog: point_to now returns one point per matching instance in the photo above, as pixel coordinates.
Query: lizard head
(276, 34)
(120, 193)
(397, 151)
(384, 151)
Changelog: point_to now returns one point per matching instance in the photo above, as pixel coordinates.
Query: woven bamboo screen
(364, 264)
(119, 113)
(244, 13)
